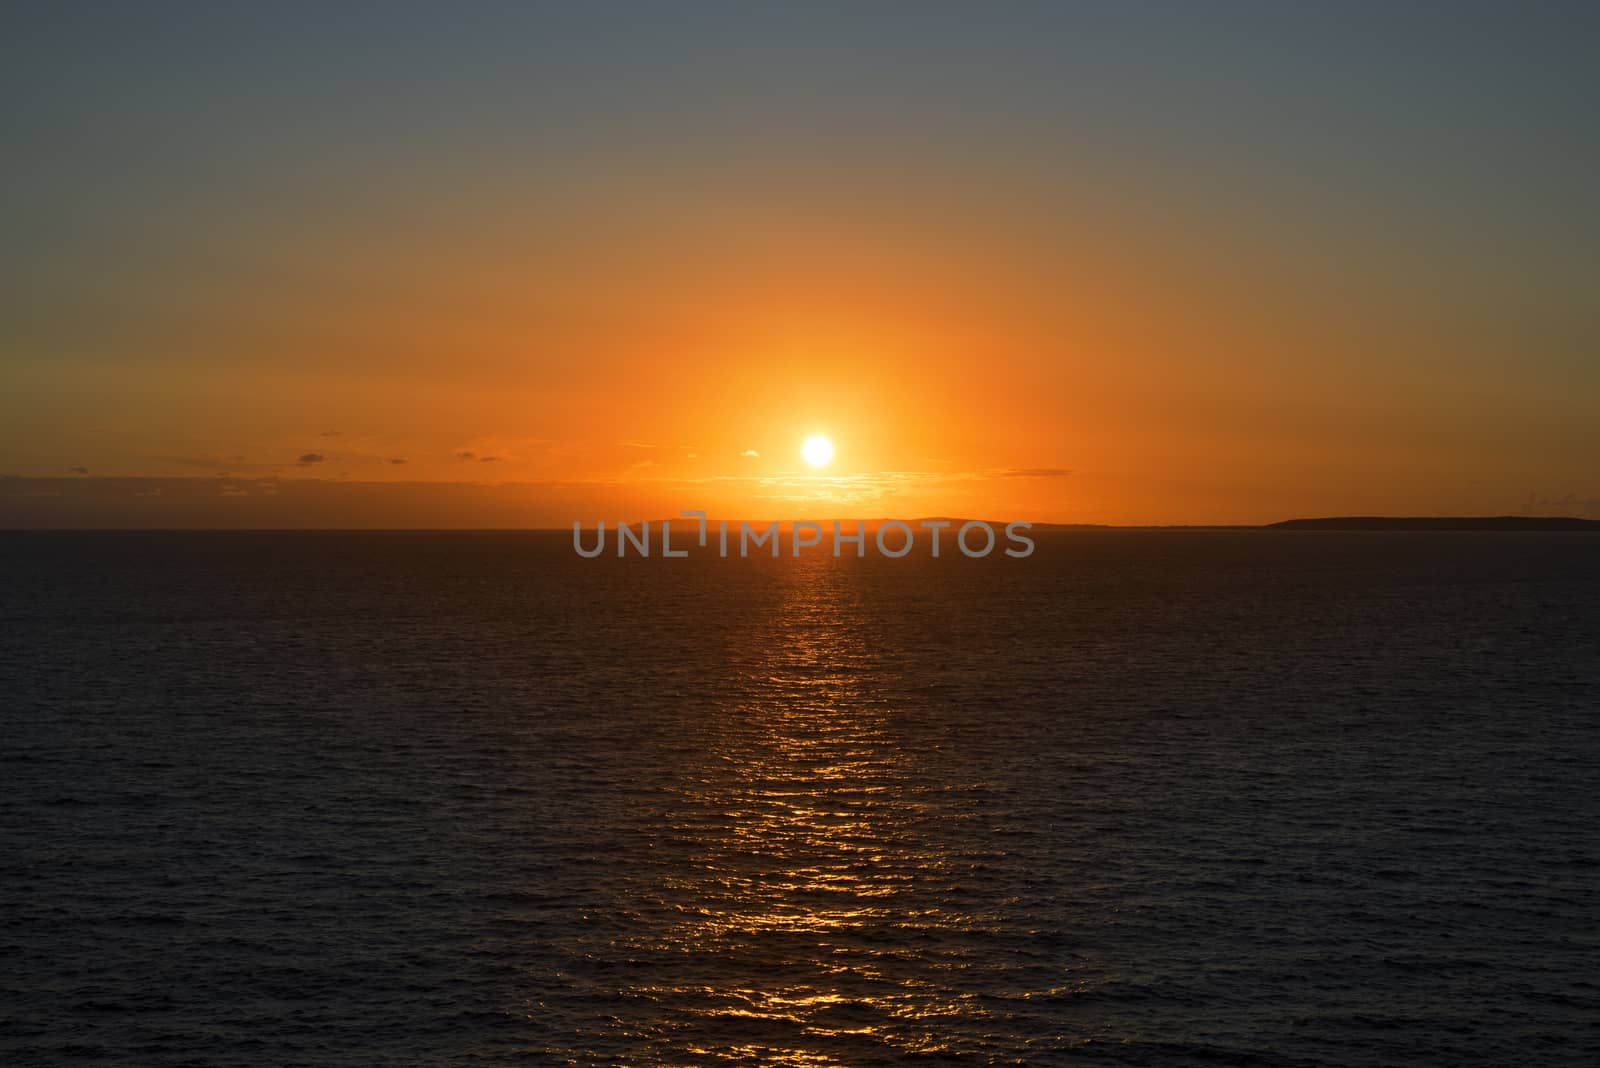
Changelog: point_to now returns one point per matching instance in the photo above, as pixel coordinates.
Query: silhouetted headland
(1490, 522)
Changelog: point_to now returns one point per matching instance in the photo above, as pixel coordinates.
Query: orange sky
(1031, 319)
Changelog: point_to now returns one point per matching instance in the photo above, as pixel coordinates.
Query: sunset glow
(802, 534)
(1049, 298)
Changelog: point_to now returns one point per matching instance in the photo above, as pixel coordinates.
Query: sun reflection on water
(812, 918)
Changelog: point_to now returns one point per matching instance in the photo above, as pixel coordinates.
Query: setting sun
(817, 450)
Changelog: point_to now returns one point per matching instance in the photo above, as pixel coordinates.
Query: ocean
(1143, 798)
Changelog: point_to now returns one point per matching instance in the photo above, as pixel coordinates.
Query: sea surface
(1143, 798)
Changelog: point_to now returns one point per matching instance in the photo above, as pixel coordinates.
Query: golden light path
(812, 924)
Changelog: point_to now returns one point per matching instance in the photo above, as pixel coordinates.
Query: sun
(817, 450)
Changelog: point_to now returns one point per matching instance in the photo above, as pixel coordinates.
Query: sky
(525, 264)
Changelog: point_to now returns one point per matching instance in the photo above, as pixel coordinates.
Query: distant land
(1489, 522)
(267, 503)
(1356, 522)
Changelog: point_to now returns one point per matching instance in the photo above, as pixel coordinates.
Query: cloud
(838, 489)
(751, 453)
(1035, 472)
(80, 470)
(397, 459)
(498, 448)
(308, 458)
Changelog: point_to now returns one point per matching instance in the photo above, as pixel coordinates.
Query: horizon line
(1373, 523)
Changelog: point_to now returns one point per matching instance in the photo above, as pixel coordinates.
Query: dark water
(1144, 798)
